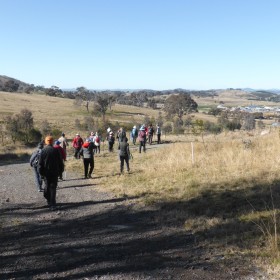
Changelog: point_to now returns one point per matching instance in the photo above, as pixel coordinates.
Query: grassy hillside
(61, 113)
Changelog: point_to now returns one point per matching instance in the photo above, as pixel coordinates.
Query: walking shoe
(53, 208)
(89, 176)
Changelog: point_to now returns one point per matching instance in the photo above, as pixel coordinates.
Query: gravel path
(95, 235)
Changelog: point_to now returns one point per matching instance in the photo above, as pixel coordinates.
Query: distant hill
(9, 82)
(14, 85)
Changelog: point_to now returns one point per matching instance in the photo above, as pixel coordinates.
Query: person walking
(142, 139)
(50, 167)
(111, 141)
(124, 154)
(63, 143)
(34, 163)
(91, 137)
(121, 134)
(158, 133)
(77, 144)
(134, 134)
(97, 141)
(86, 152)
(62, 153)
(150, 134)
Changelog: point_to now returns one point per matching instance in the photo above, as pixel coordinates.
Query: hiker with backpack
(150, 134)
(77, 144)
(142, 139)
(124, 154)
(87, 153)
(134, 134)
(63, 143)
(50, 167)
(63, 155)
(34, 163)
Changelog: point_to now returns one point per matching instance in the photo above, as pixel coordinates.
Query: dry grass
(226, 194)
(220, 195)
(61, 113)
(217, 164)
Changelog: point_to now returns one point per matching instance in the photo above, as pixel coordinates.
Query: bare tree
(249, 122)
(101, 104)
(84, 96)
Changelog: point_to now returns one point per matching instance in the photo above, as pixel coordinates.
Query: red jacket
(61, 150)
(77, 142)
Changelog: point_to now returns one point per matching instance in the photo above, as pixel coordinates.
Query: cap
(57, 142)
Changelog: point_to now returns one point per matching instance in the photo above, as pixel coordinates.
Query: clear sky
(147, 44)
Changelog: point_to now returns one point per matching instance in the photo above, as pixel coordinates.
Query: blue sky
(147, 44)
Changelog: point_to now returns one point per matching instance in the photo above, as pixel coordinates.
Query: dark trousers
(38, 179)
(50, 190)
(110, 146)
(126, 160)
(142, 144)
(77, 155)
(158, 138)
(88, 162)
(150, 138)
(134, 139)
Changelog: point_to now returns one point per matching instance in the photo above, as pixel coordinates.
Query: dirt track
(95, 235)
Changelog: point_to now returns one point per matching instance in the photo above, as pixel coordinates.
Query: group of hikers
(49, 157)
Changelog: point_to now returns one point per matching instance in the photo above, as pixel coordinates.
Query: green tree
(11, 86)
(178, 105)
(159, 119)
(152, 103)
(20, 126)
(167, 127)
(53, 91)
(12, 128)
